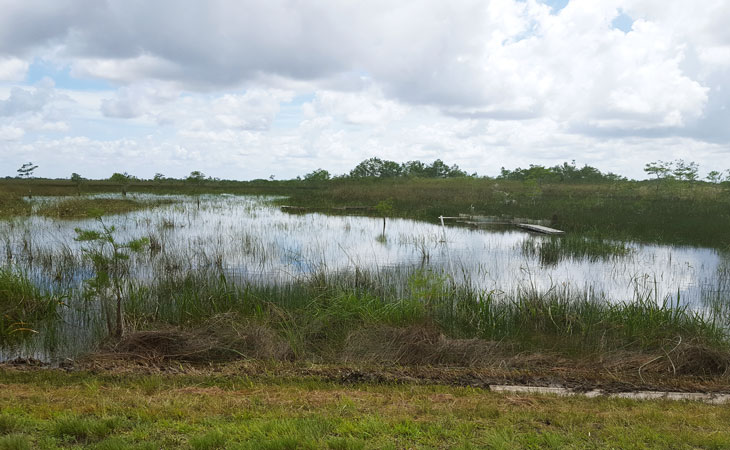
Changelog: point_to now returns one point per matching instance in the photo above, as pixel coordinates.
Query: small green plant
(384, 208)
(110, 260)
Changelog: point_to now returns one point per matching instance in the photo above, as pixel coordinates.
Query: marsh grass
(23, 307)
(12, 206)
(86, 207)
(679, 213)
(673, 213)
(180, 291)
(316, 318)
(554, 249)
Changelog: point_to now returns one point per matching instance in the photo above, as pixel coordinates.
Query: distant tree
(415, 169)
(77, 179)
(26, 170)
(377, 168)
(686, 171)
(534, 172)
(317, 175)
(196, 177)
(390, 169)
(120, 177)
(439, 169)
(124, 179)
(158, 177)
(714, 176)
(659, 169)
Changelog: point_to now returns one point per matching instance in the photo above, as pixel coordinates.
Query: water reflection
(248, 240)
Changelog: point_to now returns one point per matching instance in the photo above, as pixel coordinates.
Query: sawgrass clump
(23, 307)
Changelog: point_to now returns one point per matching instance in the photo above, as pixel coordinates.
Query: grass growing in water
(22, 307)
(322, 318)
(12, 205)
(79, 208)
(556, 248)
(677, 213)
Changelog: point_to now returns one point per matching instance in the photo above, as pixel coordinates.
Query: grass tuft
(14, 442)
(209, 441)
(22, 307)
(80, 429)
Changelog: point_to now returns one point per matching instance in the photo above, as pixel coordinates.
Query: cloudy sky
(247, 89)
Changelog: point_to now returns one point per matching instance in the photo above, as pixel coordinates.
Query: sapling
(110, 259)
(385, 208)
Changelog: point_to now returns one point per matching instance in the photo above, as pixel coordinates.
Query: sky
(243, 89)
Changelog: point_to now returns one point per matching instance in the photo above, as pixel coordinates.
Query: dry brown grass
(221, 339)
(417, 345)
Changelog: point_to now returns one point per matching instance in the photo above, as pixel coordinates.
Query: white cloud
(252, 88)
(10, 133)
(139, 99)
(12, 69)
(33, 100)
(367, 107)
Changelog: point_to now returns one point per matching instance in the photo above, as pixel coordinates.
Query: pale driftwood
(539, 228)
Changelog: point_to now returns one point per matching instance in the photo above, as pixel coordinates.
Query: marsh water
(249, 240)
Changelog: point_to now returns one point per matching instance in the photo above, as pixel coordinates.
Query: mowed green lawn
(53, 409)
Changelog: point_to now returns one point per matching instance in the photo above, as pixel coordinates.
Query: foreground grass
(52, 409)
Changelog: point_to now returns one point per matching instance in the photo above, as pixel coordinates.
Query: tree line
(376, 168)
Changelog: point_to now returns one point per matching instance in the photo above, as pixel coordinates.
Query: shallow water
(249, 240)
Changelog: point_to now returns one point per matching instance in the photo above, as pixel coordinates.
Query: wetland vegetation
(199, 271)
(320, 295)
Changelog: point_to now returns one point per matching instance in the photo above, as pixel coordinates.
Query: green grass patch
(229, 412)
(14, 442)
(84, 429)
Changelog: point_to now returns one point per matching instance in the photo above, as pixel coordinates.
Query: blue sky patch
(623, 22)
(62, 77)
